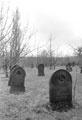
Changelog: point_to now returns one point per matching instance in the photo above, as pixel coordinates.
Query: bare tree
(15, 40)
(5, 35)
(5, 25)
(19, 43)
(78, 53)
(51, 51)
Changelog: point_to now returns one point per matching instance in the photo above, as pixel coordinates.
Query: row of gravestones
(60, 85)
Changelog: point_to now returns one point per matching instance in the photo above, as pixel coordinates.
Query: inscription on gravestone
(17, 80)
(60, 89)
(41, 70)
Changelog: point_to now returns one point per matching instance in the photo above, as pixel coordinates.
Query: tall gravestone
(41, 70)
(60, 89)
(17, 78)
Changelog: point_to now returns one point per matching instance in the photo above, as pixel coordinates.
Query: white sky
(61, 17)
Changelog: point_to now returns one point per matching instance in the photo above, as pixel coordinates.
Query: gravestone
(17, 78)
(11, 68)
(60, 89)
(41, 70)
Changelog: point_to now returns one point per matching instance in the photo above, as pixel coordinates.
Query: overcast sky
(62, 18)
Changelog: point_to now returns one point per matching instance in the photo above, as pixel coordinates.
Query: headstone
(11, 68)
(17, 77)
(41, 70)
(60, 89)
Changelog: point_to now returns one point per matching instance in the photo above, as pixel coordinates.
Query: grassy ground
(32, 104)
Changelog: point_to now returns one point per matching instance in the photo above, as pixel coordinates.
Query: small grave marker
(41, 70)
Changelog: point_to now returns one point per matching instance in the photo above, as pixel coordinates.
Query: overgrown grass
(32, 104)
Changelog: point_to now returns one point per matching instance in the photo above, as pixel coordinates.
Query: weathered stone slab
(17, 78)
(41, 70)
(60, 89)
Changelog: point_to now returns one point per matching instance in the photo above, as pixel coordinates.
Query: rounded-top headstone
(41, 70)
(60, 88)
(17, 79)
(18, 75)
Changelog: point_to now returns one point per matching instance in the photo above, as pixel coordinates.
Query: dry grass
(32, 104)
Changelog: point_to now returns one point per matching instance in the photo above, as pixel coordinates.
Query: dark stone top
(60, 76)
(41, 66)
(12, 67)
(16, 70)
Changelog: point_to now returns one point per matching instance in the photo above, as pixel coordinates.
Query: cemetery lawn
(33, 104)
